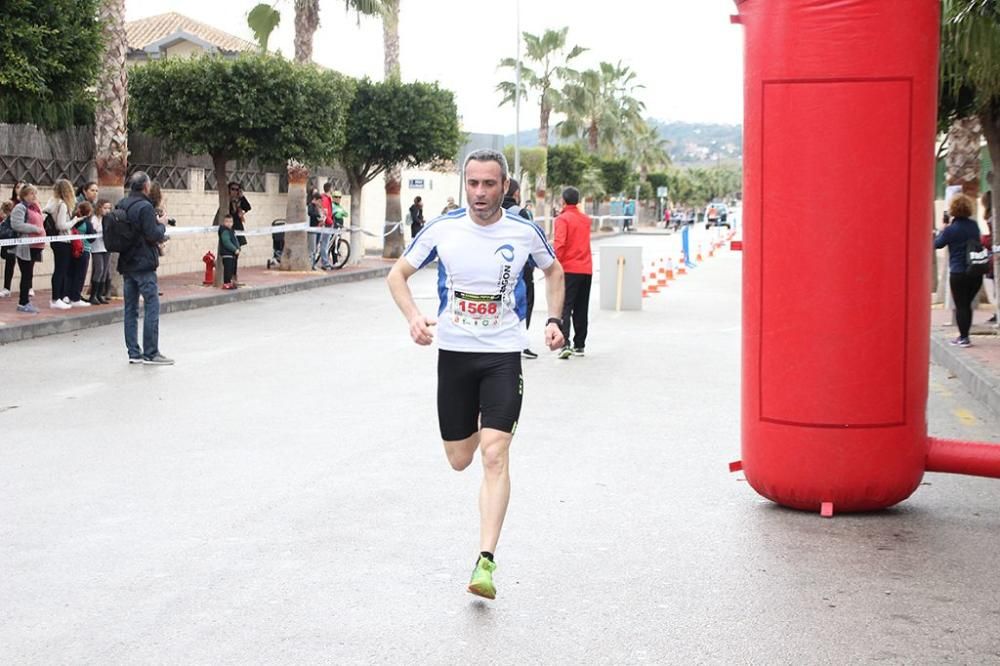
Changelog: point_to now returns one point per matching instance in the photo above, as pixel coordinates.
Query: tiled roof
(144, 32)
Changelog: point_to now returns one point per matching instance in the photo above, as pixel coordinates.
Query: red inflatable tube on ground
(840, 105)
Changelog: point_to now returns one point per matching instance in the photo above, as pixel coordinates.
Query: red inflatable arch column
(840, 106)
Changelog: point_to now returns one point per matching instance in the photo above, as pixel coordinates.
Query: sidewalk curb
(110, 316)
(979, 382)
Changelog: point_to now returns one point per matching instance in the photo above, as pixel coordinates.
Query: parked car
(716, 214)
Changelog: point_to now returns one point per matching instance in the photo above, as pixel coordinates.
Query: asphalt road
(281, 496)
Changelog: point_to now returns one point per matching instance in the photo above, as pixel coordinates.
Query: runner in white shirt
(481, 252)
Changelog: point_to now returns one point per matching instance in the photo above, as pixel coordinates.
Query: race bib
(476, 310)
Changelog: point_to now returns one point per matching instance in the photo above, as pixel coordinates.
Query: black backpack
(6, 230)
(119, 234)
(977, 258)
(49, 224)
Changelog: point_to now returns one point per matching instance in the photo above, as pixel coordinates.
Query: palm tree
(111, 113)
(394, 240)
(111, 117)
(601, 107)
(646, 149)
(545, 78)
(970, 78)
(296, 255)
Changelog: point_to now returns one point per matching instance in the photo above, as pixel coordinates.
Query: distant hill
(691, 144)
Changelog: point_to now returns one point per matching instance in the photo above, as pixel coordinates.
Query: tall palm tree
(394, 239)
(601, 107)
(111, 113)
(646, 149)
(545, 76)
(296, 255)
(970, 80)
(111, 117)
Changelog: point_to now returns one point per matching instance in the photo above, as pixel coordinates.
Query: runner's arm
(555, 292)
(401, 294)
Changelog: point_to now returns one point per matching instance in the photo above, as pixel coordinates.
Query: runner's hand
(553, 337)
(420, 330)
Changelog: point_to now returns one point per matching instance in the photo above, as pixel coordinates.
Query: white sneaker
(80, 304)
(65, 299)
(4, 293)
(59, 305)
(31, 292)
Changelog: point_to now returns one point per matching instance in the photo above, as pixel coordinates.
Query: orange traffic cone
(645, 292)
(661, 274)
(697, 257)
(681, 267)
(652, 286)
(670, 269)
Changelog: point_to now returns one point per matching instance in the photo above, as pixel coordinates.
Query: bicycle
(339, 249)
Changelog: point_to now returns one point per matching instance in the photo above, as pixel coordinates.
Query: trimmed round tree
(392, 123)
(254, 106)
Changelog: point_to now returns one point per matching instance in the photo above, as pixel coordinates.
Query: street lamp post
(517, 96)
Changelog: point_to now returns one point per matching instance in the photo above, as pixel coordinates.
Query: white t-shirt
(483, 304)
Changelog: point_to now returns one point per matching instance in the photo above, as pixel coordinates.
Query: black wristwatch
(554, 320)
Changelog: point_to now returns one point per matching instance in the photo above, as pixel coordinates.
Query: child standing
(100, 273)
(80, 253)
(229, 251)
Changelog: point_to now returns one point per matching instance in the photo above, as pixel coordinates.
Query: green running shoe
(482, 579)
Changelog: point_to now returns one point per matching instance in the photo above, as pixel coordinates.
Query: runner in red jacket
(572, 246)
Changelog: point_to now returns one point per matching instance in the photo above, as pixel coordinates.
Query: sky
(685, 52)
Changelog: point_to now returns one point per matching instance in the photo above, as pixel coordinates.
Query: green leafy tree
(614, 174)
(50, 53)
(601, 108)
(565, 165)
(544, 74)
(263, 19)
(256, 106)
(393, 123)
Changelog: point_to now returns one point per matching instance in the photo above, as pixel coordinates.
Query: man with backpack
(135, 233)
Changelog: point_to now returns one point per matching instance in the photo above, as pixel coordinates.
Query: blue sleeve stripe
(538, 230)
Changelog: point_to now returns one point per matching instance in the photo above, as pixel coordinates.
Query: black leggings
(9, 261)
(27, 269)
(62, 254)
(963, 290)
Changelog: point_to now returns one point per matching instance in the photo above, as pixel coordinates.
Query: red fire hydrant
(209, 260)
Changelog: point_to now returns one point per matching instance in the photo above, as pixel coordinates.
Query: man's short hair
(571, 196)
(137, 181)
(327, 186)
(487, 155)
(417, 199)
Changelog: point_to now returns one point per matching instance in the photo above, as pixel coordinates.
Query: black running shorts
(478, 389)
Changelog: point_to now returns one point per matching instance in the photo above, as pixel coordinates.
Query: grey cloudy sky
(685, 52)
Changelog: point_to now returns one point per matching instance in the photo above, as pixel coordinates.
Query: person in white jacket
(59, 208)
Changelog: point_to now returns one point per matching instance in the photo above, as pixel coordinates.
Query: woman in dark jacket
(964, 284)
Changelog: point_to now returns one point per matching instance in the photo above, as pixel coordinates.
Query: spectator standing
(964, 285)
(324, 238)
(100, 273)
(317, 217)
(339, 212)
(229, 252)
(572, 246)
(416, 216)
(79, 253)
(138, 265)
(26, 220)
(239, 206)
(512, 204)
(450, 206)
(7, 254)
(58, 209)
